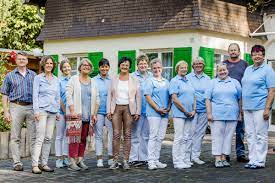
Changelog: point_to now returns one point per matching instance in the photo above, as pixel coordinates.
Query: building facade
(172, 30)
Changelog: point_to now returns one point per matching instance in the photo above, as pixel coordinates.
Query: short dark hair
(258, 48)
(103, 61)
(236, 44)
(125, 59)
(22, 53)
(64, 61)
(43, 63)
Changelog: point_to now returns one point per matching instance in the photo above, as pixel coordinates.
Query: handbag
(73, 128)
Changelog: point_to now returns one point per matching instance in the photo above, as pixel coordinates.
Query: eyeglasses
(86, 65)
(257, 54)
(198, 64)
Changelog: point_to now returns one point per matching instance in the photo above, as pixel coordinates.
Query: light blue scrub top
(142, 82)
(103, 87)
(159, 92)
(185, 93)
(255, 83)
(200, 83)
(63, 81)
(224, 96)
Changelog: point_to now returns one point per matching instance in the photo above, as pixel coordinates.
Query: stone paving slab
(198, 173)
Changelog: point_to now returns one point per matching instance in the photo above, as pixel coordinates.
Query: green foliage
(3, 125)
(19, 25)
(253, 5)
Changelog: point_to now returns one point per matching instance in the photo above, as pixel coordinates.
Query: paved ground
(202, 173)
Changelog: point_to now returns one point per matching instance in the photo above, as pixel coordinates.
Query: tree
(253, 5)
(19, 25)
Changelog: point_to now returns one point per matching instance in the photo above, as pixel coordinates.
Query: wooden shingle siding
(226, 17)
(66, 19)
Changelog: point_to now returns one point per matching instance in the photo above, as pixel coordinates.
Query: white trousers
(222, 133)
(44, 133)
(199, 125)
(139, 140)
(61, 144)
(182, 140)
(157, 131)
(257, 136)
(101, 122)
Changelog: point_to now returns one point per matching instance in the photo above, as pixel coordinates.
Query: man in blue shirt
(140, 130)
(17, 93)
(236, 68)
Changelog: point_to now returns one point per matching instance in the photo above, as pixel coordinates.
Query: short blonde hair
(221, 65)
(154, 61)
(181, 62)
(88, 61)
(198, 59)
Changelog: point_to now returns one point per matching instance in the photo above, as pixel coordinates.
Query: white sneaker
(198, 161)
(182, 166)
(100, 163)
(160, 165)
(189, 163)
(110, 162)
(152, 166)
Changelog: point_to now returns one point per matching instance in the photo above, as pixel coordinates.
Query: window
(220, 56)
(75, 61)
(166, 56)
(272, 64)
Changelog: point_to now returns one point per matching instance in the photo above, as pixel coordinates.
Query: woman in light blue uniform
(183, 112)
(258, 94)
(200, 81)
(223, 101)
(157, 109)
(103, 82)
(140, 129)
(61, 144)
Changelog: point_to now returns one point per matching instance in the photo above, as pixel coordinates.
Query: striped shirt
(18, 87)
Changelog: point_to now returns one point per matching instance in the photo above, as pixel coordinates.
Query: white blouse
(122, 93)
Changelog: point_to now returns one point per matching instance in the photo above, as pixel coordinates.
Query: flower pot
(4, 145)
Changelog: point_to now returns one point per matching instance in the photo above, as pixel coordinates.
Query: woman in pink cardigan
(123, 108)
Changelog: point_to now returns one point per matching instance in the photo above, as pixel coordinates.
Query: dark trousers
(240, 148)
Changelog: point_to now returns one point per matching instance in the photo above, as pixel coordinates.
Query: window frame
(160, 51)
(78, 57)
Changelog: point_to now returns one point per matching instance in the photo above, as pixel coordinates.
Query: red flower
(13, 55)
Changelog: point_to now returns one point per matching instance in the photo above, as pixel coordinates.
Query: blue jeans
(240, 148)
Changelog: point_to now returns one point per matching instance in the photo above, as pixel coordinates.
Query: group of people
(138, 105)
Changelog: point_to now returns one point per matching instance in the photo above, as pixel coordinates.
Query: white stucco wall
(270, 46)
(112, 44)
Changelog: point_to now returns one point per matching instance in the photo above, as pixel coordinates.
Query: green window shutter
(248, 59)
(55, 59)
(208, 55)
(95, 57)
(182, 54)
(131, 54)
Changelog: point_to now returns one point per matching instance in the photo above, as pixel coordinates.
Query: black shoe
(144, 163)
(18, 167)
(133, 163)
(227, 157)
(242, 159)
(141, 163)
